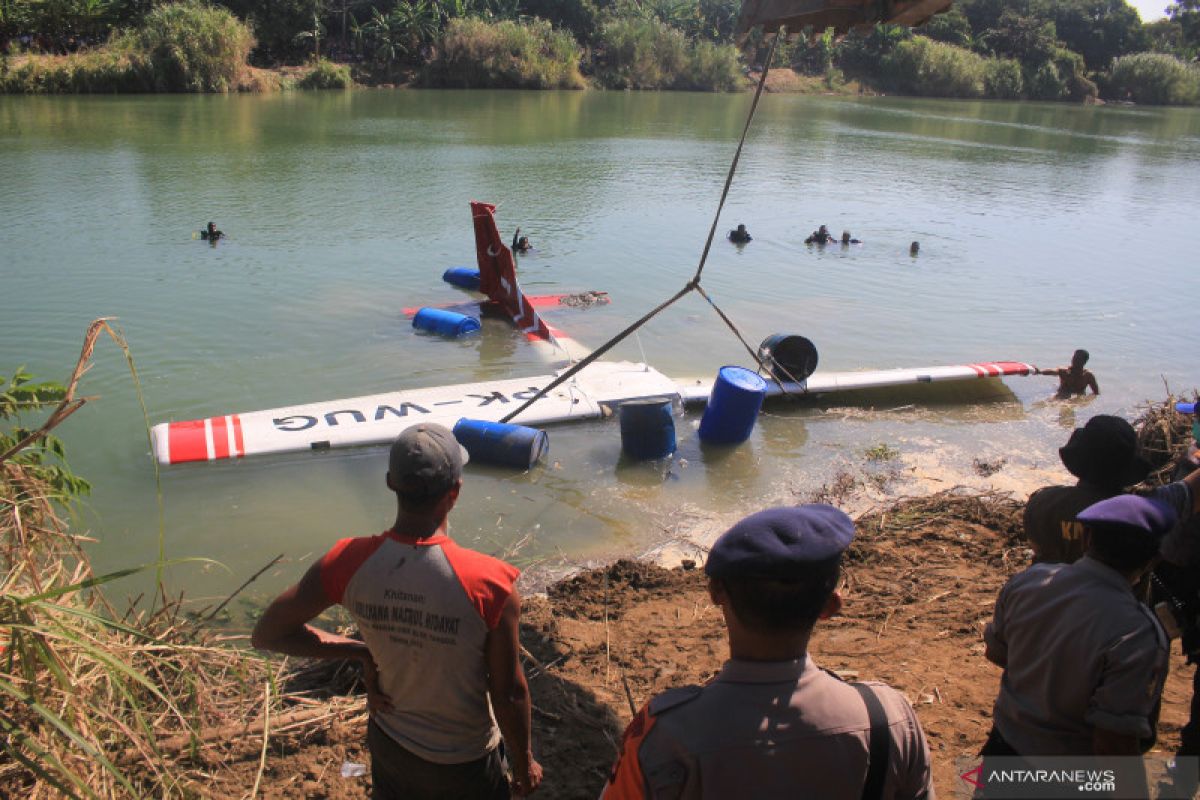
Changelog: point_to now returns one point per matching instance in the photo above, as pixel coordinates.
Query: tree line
(1011, 49)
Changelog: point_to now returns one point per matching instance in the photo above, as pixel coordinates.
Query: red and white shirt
(425, 607)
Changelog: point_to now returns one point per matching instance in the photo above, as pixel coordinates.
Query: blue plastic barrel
(733, 406)
(463, 277)
(648, 428)
(445, 323)
(501, 443)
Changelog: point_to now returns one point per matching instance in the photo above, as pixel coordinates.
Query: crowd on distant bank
(1081, 636)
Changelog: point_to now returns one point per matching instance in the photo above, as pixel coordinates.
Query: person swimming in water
(520, 244)
(211, 234)
(846, 239)
(914, 248)
(820, 236)
(739, 236)
(1073, 380)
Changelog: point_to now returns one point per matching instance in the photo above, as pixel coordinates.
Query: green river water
(1043, 228)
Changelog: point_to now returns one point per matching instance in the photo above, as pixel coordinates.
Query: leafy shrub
(1073, 71)
(711, 67)
(1044, 83)
(861, 55)
(327, 75)
(99, 71)
(479, 54)
(188, 47)
(1155, 78)
(922, 66)
(1002, 79)
(635, 53)
(813, 55)
(640, 54)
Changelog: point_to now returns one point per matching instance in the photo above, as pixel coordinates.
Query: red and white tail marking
(208, 439)
(498, 275)
(994, 369)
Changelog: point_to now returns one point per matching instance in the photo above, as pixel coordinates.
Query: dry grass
(101, 702)
(1164, 434)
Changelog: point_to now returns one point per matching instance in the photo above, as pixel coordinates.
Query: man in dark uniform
(772, 723)
(1104, 456)
(739, 235)
(1084, 660)
(820, 236)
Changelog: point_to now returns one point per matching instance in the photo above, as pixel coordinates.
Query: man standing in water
(1074, 379)
(440, 637)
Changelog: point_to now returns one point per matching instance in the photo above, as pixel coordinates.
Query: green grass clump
(326, 75)
(188, 47)
(1155, 78)
(882, 452)
(179, 47)
(1002, 79)
(921, 66)
(635, 53)
(478, 54)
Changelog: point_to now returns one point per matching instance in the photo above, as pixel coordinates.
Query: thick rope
(604, 348)
(694, 283)
(737, 156)
(753, 353)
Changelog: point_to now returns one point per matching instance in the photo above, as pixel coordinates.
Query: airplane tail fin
(498, 276)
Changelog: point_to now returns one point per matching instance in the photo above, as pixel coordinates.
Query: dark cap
(426, 459)
(1104, 452)
(1129, 511)
(775, 542)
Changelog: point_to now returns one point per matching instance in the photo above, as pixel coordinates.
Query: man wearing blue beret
(772, 723)
(1084, 659)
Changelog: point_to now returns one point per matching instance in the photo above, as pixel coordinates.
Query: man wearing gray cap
(772, 723)
(1084, 660)
(439, 625)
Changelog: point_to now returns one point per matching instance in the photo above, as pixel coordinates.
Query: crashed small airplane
(378, 419)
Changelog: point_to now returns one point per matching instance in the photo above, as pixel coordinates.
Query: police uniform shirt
(767, 729)
(1080, 653)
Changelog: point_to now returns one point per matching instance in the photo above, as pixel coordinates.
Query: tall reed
(477, 54)
(95, 701)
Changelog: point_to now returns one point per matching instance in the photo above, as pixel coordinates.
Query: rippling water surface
(1042, 228)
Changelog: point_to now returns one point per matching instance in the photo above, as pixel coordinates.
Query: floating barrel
(648, 428)
(788, 357)
(445, 323)
(737, 395)
(463, 277)
(501, 443)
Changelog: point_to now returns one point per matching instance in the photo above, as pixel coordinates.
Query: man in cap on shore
(772, 723)
(439, 649)
(1084, 660)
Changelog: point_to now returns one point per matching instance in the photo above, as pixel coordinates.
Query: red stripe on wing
(186, 442)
